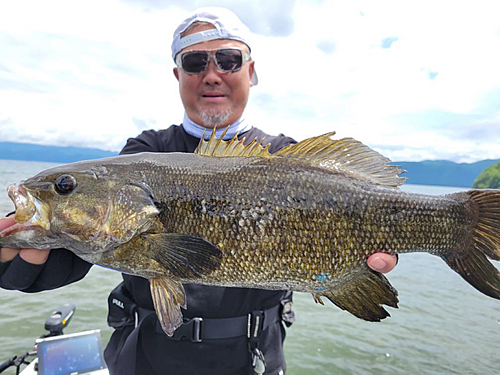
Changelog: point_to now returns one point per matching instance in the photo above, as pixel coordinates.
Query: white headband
(227, 26)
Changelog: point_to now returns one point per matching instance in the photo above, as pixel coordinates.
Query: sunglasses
(227, 60)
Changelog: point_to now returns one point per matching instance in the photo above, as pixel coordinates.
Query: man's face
(213, 98)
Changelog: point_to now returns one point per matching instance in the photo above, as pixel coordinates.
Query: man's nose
(212, 76)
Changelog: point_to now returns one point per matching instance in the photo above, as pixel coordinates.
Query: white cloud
(94, 73)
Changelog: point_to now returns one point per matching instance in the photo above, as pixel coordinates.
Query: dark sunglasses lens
(229, 60)
(194, 62)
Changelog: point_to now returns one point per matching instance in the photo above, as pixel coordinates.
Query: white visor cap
(227, 26)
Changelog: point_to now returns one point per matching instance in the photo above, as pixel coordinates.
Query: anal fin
(363, 295)
(168, 298)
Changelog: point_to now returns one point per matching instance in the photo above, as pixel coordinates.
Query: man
(215, 73)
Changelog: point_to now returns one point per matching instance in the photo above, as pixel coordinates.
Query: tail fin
(473, 265)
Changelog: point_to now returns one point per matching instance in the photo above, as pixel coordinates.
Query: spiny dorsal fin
(217, 147)
(346, 154)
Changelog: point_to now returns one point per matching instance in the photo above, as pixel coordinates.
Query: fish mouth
(31, 214)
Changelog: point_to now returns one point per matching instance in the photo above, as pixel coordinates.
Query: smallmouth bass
(305, 219)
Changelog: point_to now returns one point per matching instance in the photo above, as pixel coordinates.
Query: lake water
(443, 325)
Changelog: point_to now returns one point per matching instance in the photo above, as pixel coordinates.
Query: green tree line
(489, 179)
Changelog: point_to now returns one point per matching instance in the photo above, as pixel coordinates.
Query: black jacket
(145, 349)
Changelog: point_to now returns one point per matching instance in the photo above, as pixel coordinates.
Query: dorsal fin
(217, 147)
(346, 154)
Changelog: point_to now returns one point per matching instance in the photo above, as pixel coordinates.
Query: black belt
(199, 329)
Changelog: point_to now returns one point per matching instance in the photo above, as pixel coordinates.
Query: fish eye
(65, 184)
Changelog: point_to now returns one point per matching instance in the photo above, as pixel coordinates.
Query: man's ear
(176, 73)
(251, 69)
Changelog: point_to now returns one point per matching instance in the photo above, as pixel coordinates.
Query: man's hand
(382, 262)
(29, 255)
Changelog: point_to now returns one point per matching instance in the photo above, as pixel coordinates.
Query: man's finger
(19, 274)
(34, 256)
(7, 254)
(6, 222)
(382, 262)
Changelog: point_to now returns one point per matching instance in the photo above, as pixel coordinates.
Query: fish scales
(327, 224)
(303, 219)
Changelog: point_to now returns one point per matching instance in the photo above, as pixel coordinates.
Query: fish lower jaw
(25, 231)
(25, 236)
(17, 228)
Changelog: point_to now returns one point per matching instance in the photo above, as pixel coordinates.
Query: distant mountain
(489, 179)
(429, 172)
(32, 152)
(443, 172)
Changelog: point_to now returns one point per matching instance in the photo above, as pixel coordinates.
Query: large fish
(305, 219)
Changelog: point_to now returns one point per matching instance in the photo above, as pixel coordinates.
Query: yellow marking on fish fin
(168, 298)
(217, 147)
(346, 155)
(472, 262)
(363, 295)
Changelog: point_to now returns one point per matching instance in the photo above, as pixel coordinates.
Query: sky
(413, 80)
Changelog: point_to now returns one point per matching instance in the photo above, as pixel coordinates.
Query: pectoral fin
(183, 256)
(168, 298)
(363, 295)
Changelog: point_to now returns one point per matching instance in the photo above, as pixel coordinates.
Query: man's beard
(213, 119)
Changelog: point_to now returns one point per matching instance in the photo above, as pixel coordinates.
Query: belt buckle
(190, 329)
(196, 329)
